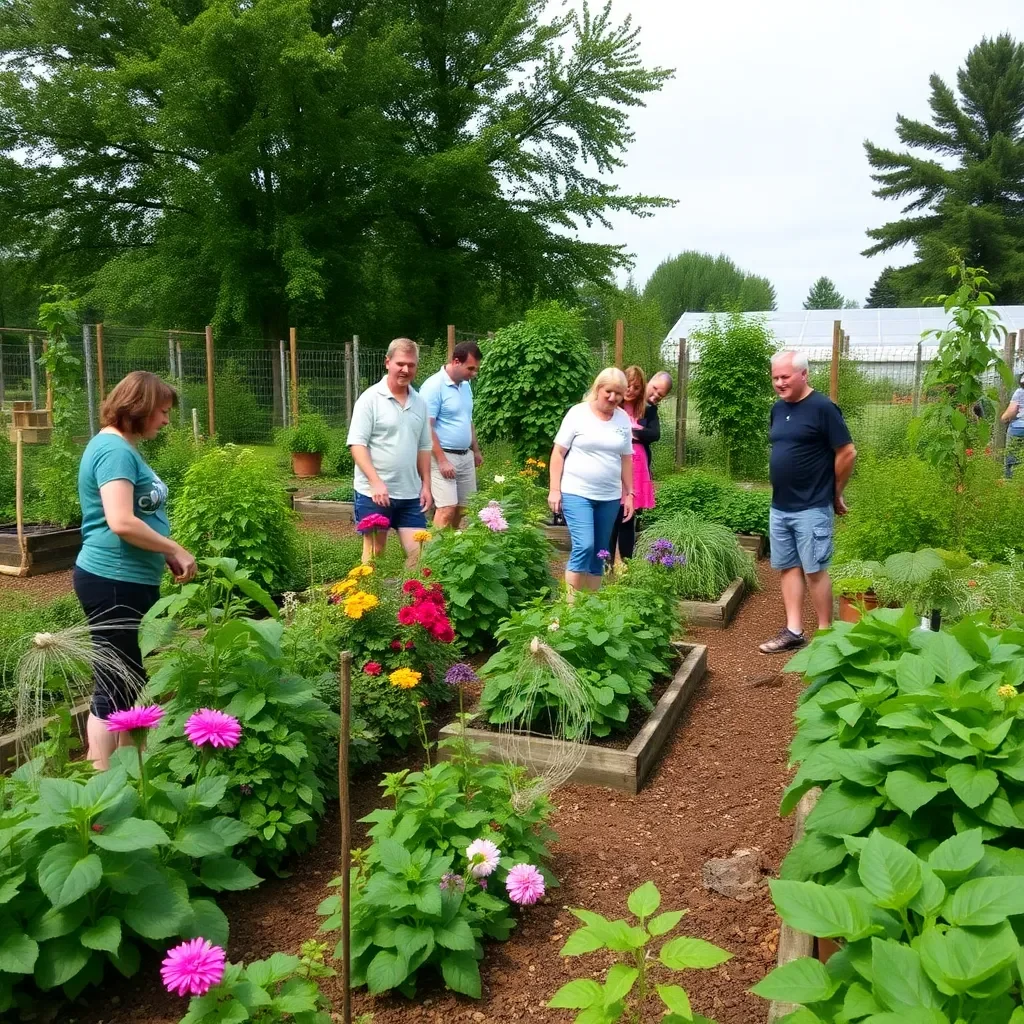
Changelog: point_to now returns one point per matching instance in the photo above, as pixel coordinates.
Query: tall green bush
(532, 372)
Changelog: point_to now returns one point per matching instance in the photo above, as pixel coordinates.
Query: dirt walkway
(716, 789)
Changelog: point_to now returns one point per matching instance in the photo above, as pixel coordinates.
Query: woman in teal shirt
(126, 544)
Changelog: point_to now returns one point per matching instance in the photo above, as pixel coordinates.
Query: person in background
(389, 437)
(811, 460)
(648, 428)
(126, 545)
(635, 407)
(1014, 416)
(591, 476)
(456, 453)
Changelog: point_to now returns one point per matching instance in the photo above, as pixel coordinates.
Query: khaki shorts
(448, 493)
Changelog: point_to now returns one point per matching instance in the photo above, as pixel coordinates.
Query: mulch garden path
(715, 790)
(34, 590)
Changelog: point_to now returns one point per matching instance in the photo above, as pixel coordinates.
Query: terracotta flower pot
(850, 606)
(306, 463)
(826, 948)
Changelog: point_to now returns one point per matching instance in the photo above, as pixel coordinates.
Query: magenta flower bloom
(483, 857)
(525, 884)
(135, 720)
(193, 968)
(374, 521)
(213, 728)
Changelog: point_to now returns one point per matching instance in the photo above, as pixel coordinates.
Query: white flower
(499, 479)
(483, 857)
(553, 627)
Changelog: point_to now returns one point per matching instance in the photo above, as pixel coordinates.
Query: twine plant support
(345, 813)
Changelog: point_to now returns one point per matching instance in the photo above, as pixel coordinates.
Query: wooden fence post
(1009, 346)
(32, 374)
(101, 379)
(451, 341)
(49, 385)
(682, 400)
(357, 374)
(90, 397)
(293, 348)
(837, 339)
(183, 401)
(211, 403)
(348, 382)
(916, 399)
(284, 385)
(620, 343)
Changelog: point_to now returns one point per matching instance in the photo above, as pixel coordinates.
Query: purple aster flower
(461, 675)
(604, 555)
(679, 560)
(668, 561)
(662, 544)
(451, 881)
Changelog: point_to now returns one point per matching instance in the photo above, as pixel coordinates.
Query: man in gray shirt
(390, 441)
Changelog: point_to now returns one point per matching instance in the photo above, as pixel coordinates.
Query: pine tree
(884, 292)
(824, 295)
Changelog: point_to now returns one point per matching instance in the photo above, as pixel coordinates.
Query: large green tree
(644, 326)
(885, 292)
(964, 189)
(697, 282)
(824, 295)
(378, 166)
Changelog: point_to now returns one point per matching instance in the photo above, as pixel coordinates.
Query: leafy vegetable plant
(633, 985)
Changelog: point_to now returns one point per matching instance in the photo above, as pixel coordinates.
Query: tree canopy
(824, 295)
(699, 282)
(966, 192)
(379, 167)
(885, 292)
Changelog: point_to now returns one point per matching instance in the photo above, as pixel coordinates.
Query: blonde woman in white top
(592, 475)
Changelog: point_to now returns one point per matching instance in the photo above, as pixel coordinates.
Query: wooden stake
(683, 383)
(837, 341)
(620, 343)
(916, 400)
(345, 812)
(49, 386)
(101, 380)
(451, 341)
(355, 367)
(293, 349)
(195, 423)
(19, 499)
(33, 375)
(1009, 344)
(348, 382)
(210, 398)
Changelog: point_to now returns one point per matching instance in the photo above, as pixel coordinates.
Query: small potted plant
(855, 585)
(308, 440)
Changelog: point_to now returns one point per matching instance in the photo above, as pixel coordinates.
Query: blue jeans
(402, 513)
(801, 538)
(1014, 443)
(590, 526)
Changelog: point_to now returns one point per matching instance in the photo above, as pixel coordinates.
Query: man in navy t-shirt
(811, 461)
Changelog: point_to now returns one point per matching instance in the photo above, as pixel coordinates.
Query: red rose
(372, 668)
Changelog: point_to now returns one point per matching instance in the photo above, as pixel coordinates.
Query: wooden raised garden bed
(559, 536)
(625, 770)
(752, 542)
(10, 742)
(48, 549)
(331, 511)
(715, 614)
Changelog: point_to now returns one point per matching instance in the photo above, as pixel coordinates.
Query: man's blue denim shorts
(402, 513)
(802, 538)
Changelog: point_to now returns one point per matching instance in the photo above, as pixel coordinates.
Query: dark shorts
(114, 610)
(402, 513)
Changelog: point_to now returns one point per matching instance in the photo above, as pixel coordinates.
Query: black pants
(624, 535)
(114, 610)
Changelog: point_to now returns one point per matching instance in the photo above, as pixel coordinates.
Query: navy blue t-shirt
(805, 436)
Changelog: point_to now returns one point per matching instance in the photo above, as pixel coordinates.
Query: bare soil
(716, 789)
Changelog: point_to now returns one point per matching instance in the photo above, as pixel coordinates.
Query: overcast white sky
(759, 136)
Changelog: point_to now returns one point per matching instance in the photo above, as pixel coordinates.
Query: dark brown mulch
(34, 590)
(716, 789)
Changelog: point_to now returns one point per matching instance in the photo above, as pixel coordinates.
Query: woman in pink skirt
(635, 407)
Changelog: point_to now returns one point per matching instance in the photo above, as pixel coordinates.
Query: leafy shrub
(323, 558)
(631, 974)
(713, 556)
(338, 458)
(230, 505)
(171, 455)
(532, 372)
(713, 498)
(488, 573)
(601, 635)
(415, 904)
(856, 389)
(238, 414)
(7, 468)
(990, 516)
(239, 666)
(310, 435)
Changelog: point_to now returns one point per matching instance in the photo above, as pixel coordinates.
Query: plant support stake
(90, 397)
(345, 811)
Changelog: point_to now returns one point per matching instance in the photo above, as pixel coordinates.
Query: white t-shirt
(593, 463)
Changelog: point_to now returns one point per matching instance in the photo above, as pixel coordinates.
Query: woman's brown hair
(134, 399)
(634, 375)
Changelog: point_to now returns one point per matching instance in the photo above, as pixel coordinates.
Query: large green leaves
(889, 871)
(800, 981)
(66, 874)
(843, 809)
(960, 959)
(821, 910)
(973, 785)
(899, 979)
(985, 901)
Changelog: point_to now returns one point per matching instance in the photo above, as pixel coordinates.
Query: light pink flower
(483, 857)
(213, 728)
(525, 884)
(135, 719)
(193, 968)
(492, 518)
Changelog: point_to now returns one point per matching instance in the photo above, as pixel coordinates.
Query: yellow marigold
(404, 678)
(360, 602)
(531, 462)
(360, 571)
(540, 464)
(1007, 692)
(343, 587)
(421, 536)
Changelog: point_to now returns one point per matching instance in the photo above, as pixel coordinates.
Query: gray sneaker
(787, 640)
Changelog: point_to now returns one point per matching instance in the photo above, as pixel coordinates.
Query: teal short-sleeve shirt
(110, 457)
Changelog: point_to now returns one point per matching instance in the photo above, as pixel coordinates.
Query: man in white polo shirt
(456, 454)
(390, 441)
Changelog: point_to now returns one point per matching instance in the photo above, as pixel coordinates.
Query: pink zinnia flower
(483, 857)
(135, 720)
(372, 668)
(525, 884)
(193, 968)
(492, 518)
(374, 521)
(213, 728)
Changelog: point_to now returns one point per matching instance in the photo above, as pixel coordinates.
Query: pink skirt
(643, 485)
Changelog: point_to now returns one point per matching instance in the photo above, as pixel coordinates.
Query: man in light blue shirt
(456, 454)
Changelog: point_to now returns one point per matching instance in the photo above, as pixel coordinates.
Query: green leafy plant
(239, 416)
(171, 454)
(230, 505)
(731, 383)
(637, 984)
(415, 902)
(310, 435)
(712, 497)
(279, 989)
(344, 492)
(532, 372)
(855, 388)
